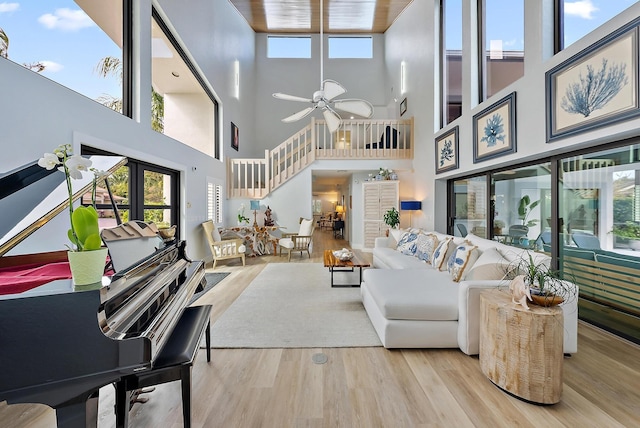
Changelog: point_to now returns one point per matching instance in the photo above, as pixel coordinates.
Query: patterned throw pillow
(407, 243)
(443, 250)
(425, 246)
(461, 260)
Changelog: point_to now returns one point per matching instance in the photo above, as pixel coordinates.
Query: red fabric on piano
(22, 278)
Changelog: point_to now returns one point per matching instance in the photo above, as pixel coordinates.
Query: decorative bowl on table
(343, 255)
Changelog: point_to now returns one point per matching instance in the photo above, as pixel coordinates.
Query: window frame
(276, 36)
(343, 37)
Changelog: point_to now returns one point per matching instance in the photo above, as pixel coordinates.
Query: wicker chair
(301, 241)
(222, 250)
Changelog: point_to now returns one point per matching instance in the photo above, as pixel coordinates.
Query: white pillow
(305, 227)
(215, 234)
(443, 252)
(490, 265)
(461, 260)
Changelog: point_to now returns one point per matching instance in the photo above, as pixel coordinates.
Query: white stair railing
(356, 139)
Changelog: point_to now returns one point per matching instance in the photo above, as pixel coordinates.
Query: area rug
(291, 305)
(213, 279)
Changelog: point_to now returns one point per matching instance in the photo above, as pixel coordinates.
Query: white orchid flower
(99, 175)
(76, 164)
(49, 161)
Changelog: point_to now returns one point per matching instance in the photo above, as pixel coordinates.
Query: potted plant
(242, 219)
(629, 231)
(548, 287)
(86, 255)
(524, 210)
(392, 218)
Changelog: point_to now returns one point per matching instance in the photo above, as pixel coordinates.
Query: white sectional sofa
(411, 304)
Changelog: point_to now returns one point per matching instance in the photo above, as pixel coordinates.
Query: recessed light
(175, 74)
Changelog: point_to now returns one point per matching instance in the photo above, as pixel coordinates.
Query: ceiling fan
(324, 99)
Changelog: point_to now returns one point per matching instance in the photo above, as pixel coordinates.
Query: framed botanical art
(235, 136)
(596, 87)
(447, 151)
(494, 130)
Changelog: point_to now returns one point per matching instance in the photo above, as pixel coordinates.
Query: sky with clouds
(58, 34)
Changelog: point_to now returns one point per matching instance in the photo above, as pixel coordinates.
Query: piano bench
(172, 363)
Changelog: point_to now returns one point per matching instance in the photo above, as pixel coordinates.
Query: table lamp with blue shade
(410, 206)
(255, 206)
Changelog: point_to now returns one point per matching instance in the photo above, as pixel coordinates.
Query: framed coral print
(596, 87)
(235, 136)
(447, 151)
(494, 130)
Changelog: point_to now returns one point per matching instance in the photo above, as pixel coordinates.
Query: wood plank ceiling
(303, 16)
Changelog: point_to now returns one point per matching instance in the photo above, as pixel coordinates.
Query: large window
(501, 44)
(141, 191)
(181, 104)
(451, 60)
(350, 47)
(78, 44)
(470, 203)
(576, 19)
(583, 209)
(288, 47)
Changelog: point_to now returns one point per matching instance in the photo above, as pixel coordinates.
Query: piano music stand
(173, 363)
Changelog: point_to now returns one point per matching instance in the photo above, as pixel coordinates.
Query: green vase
(87, 267)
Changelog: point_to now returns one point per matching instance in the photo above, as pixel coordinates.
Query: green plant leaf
(85, 224)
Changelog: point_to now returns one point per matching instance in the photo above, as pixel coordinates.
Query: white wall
(419, 25)
(362, 78)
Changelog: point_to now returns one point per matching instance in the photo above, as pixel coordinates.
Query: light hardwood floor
(371, 387)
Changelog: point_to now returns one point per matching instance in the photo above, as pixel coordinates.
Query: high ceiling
(303, 16)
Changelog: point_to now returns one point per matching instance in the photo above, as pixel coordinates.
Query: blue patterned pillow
(461, 260)
(407, 243)
(425, 246)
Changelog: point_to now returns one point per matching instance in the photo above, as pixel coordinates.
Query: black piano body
(60, 343)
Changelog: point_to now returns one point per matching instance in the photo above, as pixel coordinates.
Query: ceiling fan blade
(360, 107)
(332, 118)
(299, 115)
(287, 97)
(332, 89)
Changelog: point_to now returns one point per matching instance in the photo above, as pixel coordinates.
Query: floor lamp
(255, 206)
(410, 206)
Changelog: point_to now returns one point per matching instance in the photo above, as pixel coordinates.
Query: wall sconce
(403, 77)
(410, 206)
(255, 206)
(236, 79)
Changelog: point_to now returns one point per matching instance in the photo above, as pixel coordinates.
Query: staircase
(356, 139)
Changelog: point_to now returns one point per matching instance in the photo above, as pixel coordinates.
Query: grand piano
(60, 343)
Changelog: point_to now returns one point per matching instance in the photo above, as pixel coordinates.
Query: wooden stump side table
(520, 350)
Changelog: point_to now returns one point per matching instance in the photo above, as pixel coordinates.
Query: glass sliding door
(599, 204)
(469, 207)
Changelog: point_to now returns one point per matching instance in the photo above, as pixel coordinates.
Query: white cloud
(509, 43)
(583, 9)
(9, 7)
(66, 20)
(52, 67)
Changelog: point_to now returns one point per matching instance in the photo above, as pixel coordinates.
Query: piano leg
(122, 404)
(79, 414)
(185, 382)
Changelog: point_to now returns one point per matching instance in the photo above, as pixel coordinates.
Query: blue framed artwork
(494, 130)
(596, 87)
(447, 151)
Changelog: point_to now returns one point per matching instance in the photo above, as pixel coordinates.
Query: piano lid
(30, 196)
